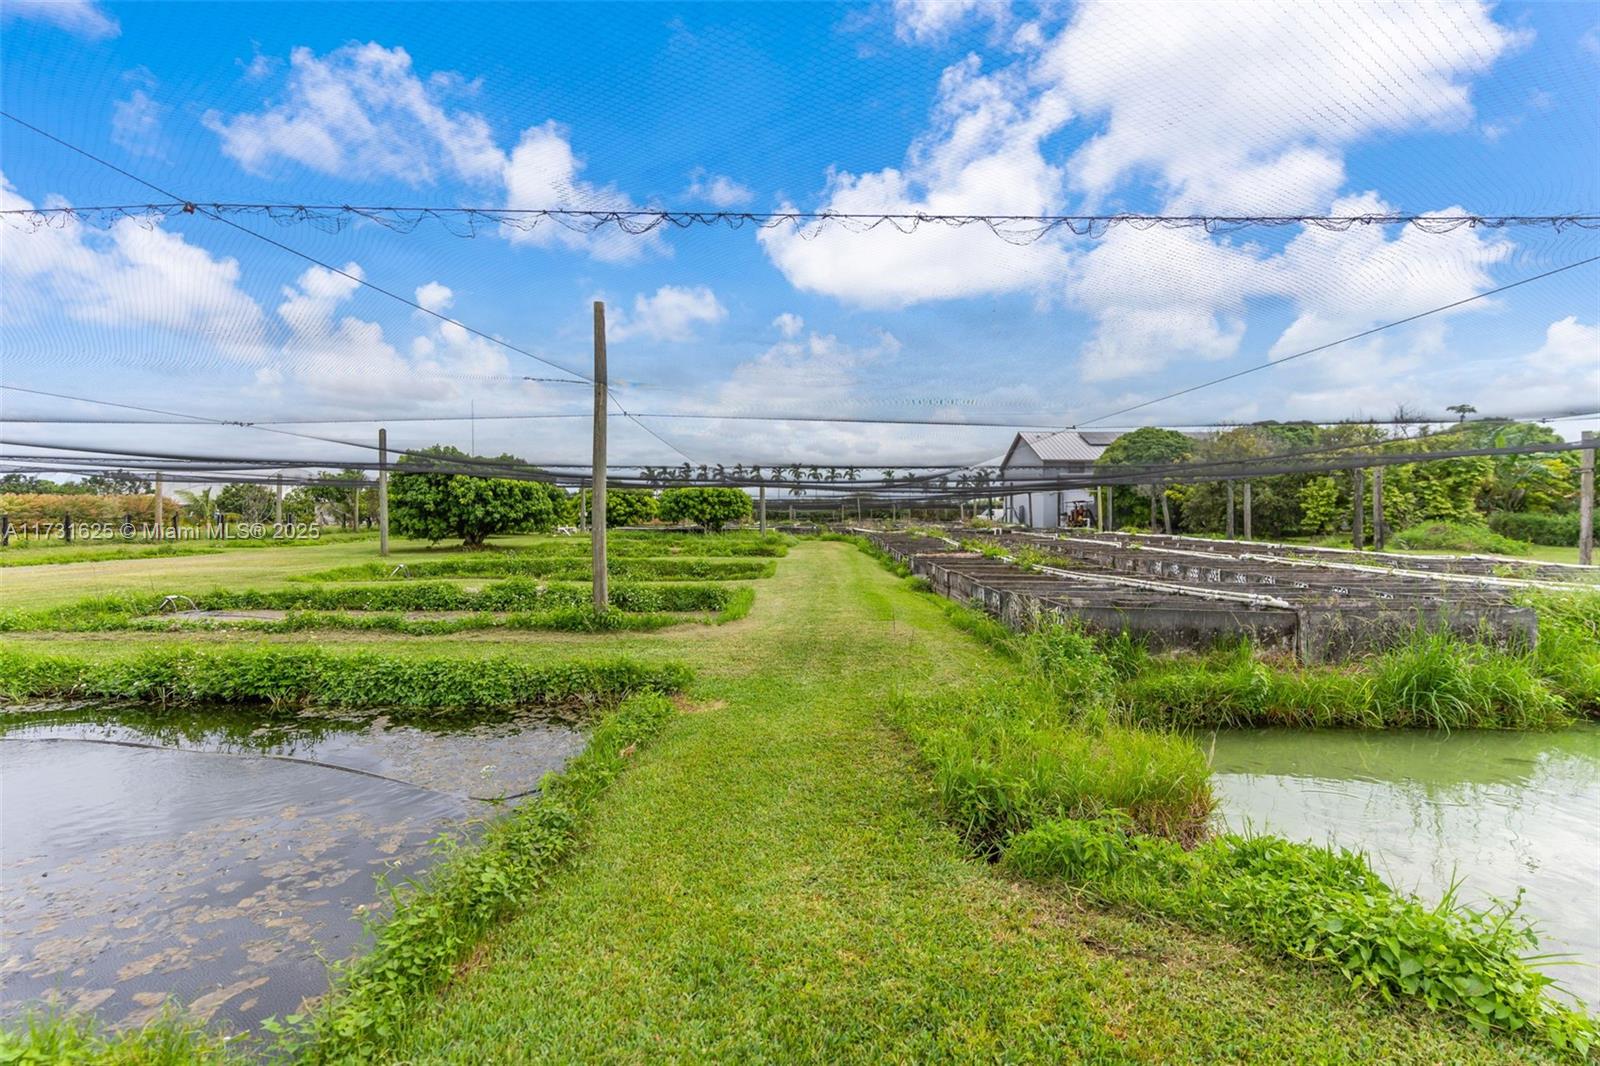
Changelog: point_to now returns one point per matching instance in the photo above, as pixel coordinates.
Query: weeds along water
(1082, 772)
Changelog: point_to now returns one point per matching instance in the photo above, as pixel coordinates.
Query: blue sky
(963, 107)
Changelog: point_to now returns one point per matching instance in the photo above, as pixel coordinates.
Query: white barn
(1033, 456)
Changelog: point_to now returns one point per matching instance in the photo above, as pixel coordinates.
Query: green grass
(772, 878)
(1324, 906)
(50, 556)
(772, 882)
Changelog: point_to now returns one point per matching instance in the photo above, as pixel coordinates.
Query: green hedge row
(507, 564)
(311, 676)
(118, 611)
(1556, 530)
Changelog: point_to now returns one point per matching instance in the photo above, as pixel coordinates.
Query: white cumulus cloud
(82, 17)
(671, 313)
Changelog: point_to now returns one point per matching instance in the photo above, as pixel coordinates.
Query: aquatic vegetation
(1320, 905)
(309, 675)
(48, 1039)
(1568, 653)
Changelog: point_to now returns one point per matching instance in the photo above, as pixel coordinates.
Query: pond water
(1497, 811)
(219, 859)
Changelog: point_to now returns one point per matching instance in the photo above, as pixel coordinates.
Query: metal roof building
(1036, 455)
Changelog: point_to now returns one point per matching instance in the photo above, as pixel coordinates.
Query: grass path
(771, 883)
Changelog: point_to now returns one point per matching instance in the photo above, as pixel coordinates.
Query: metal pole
(157, 515)
(383, 492)
(1247, 510)
(1586, 501)
(602, 596)
(1358, 533)
(1230, 510)
(761, 503)
(1379, 533)
(277, 503)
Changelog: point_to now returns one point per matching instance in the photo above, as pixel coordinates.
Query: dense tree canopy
(629, 507)
(439, 506)
(709, 507)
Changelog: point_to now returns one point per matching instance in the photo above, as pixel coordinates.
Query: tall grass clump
(1432, 681)
(1567, 656)
(1323, 906)
(310, 676)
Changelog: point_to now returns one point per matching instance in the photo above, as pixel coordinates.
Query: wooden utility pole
(383, 492)
(1153, 526)
(1230, 510)
(1358, 533)
(1379, 532)
(761, 505)
(1247, 510)
(602, 594)
(157, 516)
(1586, 500)
(1166, 512)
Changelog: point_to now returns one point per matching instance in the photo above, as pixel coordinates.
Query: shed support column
(1379, 532)
(1247, 510)
(597, 516)
(277, 503)
(761, 504)
(1166, 512)
(383, 492)
(1153, 526)
(156, 517)
(1358, 533)
(1111, 507)
(1230, 509)
(1586, 500)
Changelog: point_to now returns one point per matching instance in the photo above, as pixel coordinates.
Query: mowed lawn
(770, 881)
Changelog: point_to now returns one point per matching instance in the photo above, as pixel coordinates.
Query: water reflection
(1498, 811)
(220, 858)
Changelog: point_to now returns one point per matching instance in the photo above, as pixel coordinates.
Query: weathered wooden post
(602, 594)
(1380, 534)
(5, 529)
(1230, 509)
(383, 492)
(66, 527)
(1153, 526)
(1247, 510)
(277, 503)
(1111, 507)
(155, 518)
(1586, 500)
(761, 505)
(1358, 533)
(1166, 512)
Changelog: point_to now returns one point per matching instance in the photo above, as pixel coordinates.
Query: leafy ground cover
(560, 567)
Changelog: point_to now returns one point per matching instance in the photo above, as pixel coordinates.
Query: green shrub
(1556, 530)
(1456, 537)
(1324, 906)
(712, 508)
(300, 675)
